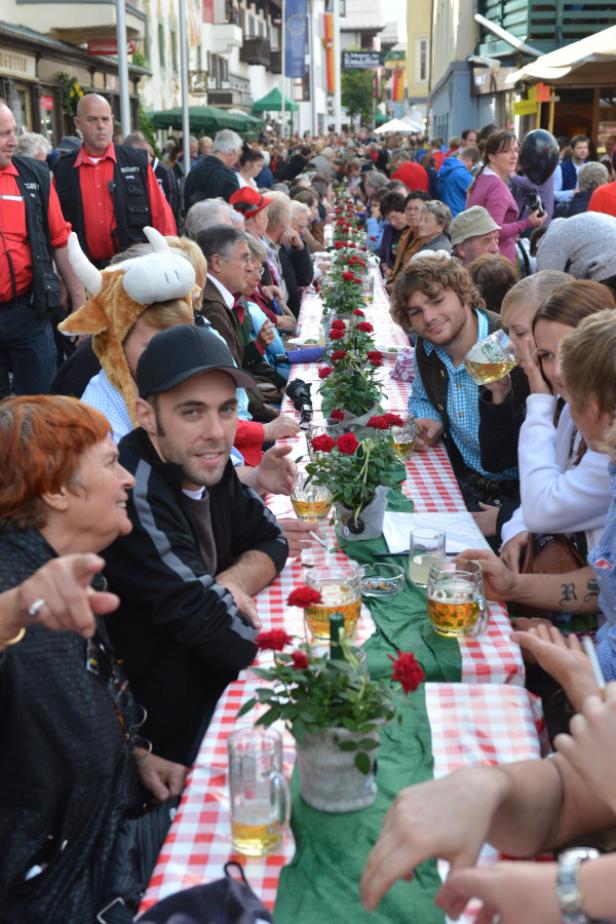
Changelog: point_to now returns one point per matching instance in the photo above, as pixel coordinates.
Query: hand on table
(161, 777)
(498, 581)
(276, 473)
(486, 518)
(562, 657)
(244, 603)
(70, 602)
(429, 432)
(511, 552)
(297, 533)
(520, 893)
(447, 818)
(590, 746)
(280, 427)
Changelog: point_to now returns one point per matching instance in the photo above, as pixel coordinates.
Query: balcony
(276, 61)
(546, 25)
(76, 24)
(256, 50)
(224, 37)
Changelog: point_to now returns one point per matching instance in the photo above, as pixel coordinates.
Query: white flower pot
(329, 779)
(370, 520)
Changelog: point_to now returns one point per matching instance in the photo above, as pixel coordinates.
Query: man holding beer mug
(435, 298)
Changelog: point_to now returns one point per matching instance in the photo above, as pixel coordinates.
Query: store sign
(108, 47)
(525, 107)
(15, 64)
(47, 103)
(361, 60)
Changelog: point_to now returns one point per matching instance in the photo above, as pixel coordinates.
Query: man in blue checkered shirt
(434, 299)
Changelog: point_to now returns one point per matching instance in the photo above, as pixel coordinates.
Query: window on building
(161, 44)
(174, 50)
(422, 60)
(251, 26)
(342, 7)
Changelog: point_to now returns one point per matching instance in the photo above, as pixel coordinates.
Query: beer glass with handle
(456, 602)
(491, 359)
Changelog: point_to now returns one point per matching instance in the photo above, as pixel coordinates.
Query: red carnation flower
(378, 423)
(359, 313)
(338, 354)
(407, 671)
(337, 414)
(300, 661)
(394, 420)
(348, 276)
(339, 245)
(374, 354)
(365, 326)
(275, 640)
(336, 333)
(337, 324)
(347, 443)
(323, 443)
(357, 279)
(325, 371)
(375, 362)
(303, 596)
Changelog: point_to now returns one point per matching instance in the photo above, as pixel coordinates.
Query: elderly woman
(434, 221)
(31, 144)
(71, 766)
(591, 177)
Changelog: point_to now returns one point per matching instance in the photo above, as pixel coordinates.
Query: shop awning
(272, 102)
(599, 48)
(400, 126)
(206, 119)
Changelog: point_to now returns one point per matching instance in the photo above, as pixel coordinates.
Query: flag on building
(328, 46)
(397, 92)
(296, 37)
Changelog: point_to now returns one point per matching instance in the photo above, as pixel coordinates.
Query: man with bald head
(33, 235)
(108, 191)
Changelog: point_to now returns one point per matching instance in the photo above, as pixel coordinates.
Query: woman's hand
(528, 362)
(265, 335)
(536, 219)
(500, 390)
(562, 657)
(511, 552)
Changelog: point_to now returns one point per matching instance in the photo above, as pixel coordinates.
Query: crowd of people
(144, 353)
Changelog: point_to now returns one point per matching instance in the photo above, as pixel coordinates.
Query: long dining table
(484, 716)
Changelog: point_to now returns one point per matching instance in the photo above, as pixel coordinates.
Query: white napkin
(460, 529)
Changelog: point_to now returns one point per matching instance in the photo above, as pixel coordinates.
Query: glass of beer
(260, 799)
(456, 603)
(491, 359)
(404, 438)
(310, 501)
(339, 586)
(426, 548)
(367, 289)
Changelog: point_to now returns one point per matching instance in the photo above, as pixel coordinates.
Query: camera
(533, 203)
(299, 393)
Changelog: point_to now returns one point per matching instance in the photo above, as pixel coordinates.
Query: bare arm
(74, 286)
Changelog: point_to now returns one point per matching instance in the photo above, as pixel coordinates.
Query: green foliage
(358, 94)
(146, 128)
(72, 92)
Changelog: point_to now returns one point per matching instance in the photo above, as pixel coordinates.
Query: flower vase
(351, 421)
(369, 523)
(329, 779)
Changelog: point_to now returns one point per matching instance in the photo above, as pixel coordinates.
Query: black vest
(34, 184)
(129, 191)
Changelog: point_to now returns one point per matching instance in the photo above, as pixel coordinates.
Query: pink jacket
(494, 195)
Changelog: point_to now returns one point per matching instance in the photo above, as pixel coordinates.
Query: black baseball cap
(175, 355)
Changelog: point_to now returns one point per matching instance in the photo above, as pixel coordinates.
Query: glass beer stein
(490, 359)
(260, 799)
(456, 602)
(339, 586)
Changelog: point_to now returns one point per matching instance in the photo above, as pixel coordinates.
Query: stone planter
(329, 779)
(369, 524)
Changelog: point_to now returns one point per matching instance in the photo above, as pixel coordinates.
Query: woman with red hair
(72, 769)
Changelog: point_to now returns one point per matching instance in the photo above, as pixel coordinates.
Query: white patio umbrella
(401, 126)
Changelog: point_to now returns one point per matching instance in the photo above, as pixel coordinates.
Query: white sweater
(557, 497)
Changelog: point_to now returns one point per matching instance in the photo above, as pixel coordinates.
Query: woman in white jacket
(564, 486)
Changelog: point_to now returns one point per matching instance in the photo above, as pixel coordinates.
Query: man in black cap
(202, 543)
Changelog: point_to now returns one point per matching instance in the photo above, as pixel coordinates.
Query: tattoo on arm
(592, 587)
(567, 593)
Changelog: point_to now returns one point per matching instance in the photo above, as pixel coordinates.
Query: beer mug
(339, 586)
(490, 359)
(310, 501)
(260, 798)
(404, 438)
(456, 602)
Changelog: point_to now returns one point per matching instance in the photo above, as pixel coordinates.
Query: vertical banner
(397, 93)
(328, 45)
(296, 37)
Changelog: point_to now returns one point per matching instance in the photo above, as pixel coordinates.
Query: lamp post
(123, 67)
(184, 86)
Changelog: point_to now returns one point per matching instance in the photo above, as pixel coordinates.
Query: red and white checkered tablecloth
(470, 724)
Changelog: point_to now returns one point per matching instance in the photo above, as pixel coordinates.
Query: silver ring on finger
(36, 607)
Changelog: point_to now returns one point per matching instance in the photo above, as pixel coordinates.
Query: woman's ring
(36, 607)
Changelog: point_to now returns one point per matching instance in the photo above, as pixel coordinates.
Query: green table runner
(321, 885)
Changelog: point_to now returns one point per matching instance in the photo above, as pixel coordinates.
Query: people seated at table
(210, 212)
(201, 546)
(392, 210)
(435, 298)
(473, 233)
(564, 485)
(73, 762)
(289, 262)
(410, 239)
(584, 246)
(434, 221)
(494, 276)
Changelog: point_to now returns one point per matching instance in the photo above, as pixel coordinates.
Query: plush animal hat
(119, 295)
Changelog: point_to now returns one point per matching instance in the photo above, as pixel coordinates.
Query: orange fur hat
(119, 295)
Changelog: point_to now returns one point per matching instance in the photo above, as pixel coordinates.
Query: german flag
(328, 45)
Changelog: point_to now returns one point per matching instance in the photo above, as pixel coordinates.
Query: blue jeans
(27, 348)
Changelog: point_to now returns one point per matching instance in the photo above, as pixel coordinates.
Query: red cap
(248, 201)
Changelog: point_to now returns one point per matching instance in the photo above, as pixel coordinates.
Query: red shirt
(603, 199)
(94, 182)
(412, 175)
(14, 234)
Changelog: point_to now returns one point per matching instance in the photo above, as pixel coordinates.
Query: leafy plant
(72, 92)
(311, 693)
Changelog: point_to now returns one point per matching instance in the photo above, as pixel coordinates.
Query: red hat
(248, 201)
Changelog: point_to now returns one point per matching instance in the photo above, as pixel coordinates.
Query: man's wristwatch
(568, 891)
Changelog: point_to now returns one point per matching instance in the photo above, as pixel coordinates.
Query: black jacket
(298, 270)
(208, 179)
(67, 778)
(180, 635)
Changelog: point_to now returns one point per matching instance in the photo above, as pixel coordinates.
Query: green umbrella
(205, 119)
(272, 102)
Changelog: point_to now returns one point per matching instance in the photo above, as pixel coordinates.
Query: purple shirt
(494, 195)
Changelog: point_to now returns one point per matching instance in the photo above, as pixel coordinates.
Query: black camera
(534, 204)
(299, 393)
